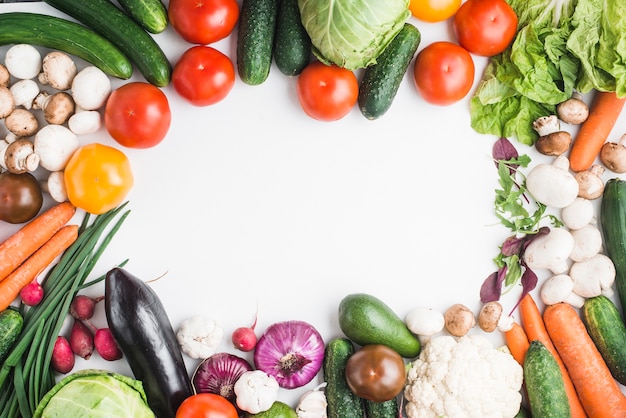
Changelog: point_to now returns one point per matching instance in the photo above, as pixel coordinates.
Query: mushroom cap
(55, 145)
(7, 102)
(24, 93)
(550, 251)
(425, 321)
(573, 111)
(587, 243)
(552, 185)
(591, 277)
(459, 319)
(578, 214)
(613, 156)
(590, 182)
(58, 70)
(22, 123)
(23, 61)
(19, 157)
(5, 76)
(59, 107)
(91, 88)
(559, 288)
(554, 144)
(489, 316)
(85, 122)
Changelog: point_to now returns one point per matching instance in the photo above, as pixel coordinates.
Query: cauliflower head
(463, 377)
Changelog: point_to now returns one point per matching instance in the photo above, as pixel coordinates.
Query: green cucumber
(255, 40)
(380, 81)
(150, 14)
(111, 22)
(544, 383)
(11, 324)
(607, 330)
(292, 44)
(342, 402)
(365, 319)
(387, 409)
(613, 227)
(63, 35)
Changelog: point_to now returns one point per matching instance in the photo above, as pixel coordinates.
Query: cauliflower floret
(461, 378)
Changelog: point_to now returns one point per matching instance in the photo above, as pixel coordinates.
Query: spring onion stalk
(26, 375)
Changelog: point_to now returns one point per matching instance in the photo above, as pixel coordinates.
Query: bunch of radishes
(84, 337)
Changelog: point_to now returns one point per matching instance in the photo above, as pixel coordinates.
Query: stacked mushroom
(43, 125)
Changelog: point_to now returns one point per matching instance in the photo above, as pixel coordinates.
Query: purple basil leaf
(503, 150)
(529, 282)
(512, 246)
(492, 287)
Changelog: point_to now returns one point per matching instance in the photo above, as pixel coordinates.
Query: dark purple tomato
(21, 197)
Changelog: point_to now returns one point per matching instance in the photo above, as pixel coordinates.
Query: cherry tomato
(98, 178)
(203, 75)
(327, 92)
(20, 197)
(203, 21)
(376, 372)
(137, 115)
(485, 27)
(443, 73)
(434, 10)
(206, 405)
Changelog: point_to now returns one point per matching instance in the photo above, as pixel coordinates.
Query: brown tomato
(376, 372)
(21, 197)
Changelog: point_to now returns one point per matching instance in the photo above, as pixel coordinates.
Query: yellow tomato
(434, 10)
(98, 178)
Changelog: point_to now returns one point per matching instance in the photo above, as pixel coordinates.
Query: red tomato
(203, 21)
(485, 27)
(443, 73)
(206, 405)
(137, 115)
(203, 75)
(327, 92)
(434, 10)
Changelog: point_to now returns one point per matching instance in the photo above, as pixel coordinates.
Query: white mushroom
(55, 144)
(560, 288)
(553, 184)
(587, 243)
(491, 317)
(85, 122)
(593, 277)
(21, 123)
(578, 214)
(20, 157)
(23, 61)
(574, 110)
(58, 70)
(590, 183)
(24, 93)
(7, 102)
(424, 322)
(57, 108)
(5, 76)
(54, 185)
(550, 251)
(91, 88)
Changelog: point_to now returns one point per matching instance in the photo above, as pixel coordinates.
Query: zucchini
(387, 409)
(150, 14)
(140, 325)
(380, 81)
(613, 227)
(544, 383)
(342, 402)
(607, 330)
(11, 324)
(292, 44)
(111, 22)
(64, 35)
(255, 40)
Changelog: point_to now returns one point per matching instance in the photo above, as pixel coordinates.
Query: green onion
(26, 374)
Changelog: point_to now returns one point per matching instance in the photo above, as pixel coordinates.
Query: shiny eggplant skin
(142, 328)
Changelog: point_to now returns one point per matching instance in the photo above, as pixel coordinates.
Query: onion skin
(291, 351)
(218, 373)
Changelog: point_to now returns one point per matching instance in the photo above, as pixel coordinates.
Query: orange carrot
(19, 246)
(593, 133)
(598, 390)
(11, 286)
(517, 342)
(535, 328)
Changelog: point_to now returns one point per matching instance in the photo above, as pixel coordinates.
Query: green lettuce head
(95, 393)
(352, 33)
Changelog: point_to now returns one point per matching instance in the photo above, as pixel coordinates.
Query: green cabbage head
(95, 393)
(352, 33)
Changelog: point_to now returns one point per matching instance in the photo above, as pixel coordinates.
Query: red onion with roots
(291, 351)
(218, 374)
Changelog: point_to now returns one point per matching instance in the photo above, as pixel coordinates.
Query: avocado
(277, 410)
(365, 319)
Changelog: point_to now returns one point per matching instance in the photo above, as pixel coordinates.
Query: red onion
(291, 351)
(218, 374)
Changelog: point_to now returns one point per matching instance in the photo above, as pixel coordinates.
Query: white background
(252, 203)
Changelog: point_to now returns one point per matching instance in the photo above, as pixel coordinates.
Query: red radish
(81, 340)
(83, 306)
(32, 293)
(244, 338)
(62, 356)
(106, 345)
